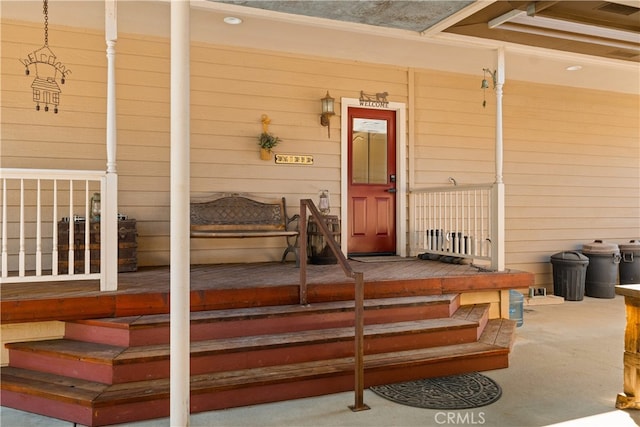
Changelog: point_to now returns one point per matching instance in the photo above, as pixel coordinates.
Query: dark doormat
(381, 258)
(454, 392)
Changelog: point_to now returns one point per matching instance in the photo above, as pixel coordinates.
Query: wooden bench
(236, 216)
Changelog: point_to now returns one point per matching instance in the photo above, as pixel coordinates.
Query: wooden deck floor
(146, 291)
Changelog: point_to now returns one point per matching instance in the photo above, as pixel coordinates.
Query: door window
(369, 155)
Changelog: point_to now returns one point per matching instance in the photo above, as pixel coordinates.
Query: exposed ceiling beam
(457, 17)
(506, 17)
(525, 22)
(570, 36)
(578, 28)
(632, 3)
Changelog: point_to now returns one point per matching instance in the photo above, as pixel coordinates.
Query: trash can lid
(633, 245)
(570, 256)
(600, 247)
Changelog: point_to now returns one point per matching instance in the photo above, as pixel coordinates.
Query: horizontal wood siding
(571, 160)
(571, 155)
(572, 170)
(32, 331)
(454, 135)
(230, 90)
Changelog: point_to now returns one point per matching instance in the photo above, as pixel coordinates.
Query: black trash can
(569, 274)
(602, 271)
(630, 262)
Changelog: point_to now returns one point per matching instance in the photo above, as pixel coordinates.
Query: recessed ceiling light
(232, 20)
(574, 68)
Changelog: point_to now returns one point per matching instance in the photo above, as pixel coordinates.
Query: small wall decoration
(45, 85)
(298, 159)
(266, 140)
(374, 100)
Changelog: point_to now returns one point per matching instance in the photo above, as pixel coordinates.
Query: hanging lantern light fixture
(485, 84)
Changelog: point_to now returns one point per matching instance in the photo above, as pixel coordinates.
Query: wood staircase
(116, 370)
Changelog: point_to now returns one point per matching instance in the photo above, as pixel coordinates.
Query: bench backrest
(238, 213)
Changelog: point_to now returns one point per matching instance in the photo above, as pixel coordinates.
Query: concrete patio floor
(566, 369)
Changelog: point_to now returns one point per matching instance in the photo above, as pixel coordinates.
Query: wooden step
(95, 404)
(474, 313)
(206, 325)
(113, 364)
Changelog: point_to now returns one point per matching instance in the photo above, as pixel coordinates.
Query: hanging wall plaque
(298, 159)
(45, 88)
(374, 99)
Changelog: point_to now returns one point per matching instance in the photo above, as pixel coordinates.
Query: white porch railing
(454, 221)
(34, 202)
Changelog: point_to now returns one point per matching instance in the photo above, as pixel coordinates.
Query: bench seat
(236, 216)
(241, 233)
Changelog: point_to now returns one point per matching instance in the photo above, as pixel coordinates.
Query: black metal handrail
(359, 291)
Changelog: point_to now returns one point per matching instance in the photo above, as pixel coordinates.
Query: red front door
(372, 182)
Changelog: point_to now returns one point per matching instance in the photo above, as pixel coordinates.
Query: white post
(39, 230)
(109, 191)
(21, 253)
(180, 257)
(498, 217)
(111, 35)
(5, 265)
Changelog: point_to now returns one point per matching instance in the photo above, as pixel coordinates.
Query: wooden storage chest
(127, 246)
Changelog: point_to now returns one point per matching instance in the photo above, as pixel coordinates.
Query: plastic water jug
(516, 307)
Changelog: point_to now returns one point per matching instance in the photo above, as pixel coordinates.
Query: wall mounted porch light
(327, 112)
(485, 84)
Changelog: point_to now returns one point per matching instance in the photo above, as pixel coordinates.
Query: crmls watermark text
(460, 418)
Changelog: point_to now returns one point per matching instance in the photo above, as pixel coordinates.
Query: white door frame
(401, 170)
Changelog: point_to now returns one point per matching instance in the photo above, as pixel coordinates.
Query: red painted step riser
(482, 323)
(97, 334)
(205, 401)
(130, 412)
(304, 353)
(226, 329)
(73, 413)
(438, 369)
(155, 303)
(99, 372)
(272, 393)
(157, 369)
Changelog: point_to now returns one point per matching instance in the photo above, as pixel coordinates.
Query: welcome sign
(374, 100)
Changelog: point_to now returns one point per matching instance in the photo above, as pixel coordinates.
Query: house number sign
(297, 159)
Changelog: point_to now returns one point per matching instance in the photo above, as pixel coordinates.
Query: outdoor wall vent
(626, 54)
(619, 9)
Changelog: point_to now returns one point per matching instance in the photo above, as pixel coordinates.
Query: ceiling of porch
(451, 36)
(608, 29)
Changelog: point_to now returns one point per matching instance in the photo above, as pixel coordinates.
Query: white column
(111, 35)
(180, 259)
(109, 199)
(499, 85)
(498, 217)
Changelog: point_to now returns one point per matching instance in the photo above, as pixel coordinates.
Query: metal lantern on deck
(317, 247)
(323, 202)
(95, 207)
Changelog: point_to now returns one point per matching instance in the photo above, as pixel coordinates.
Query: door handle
(390, 190)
